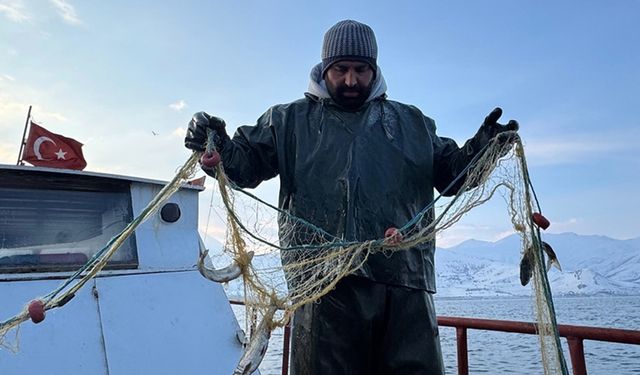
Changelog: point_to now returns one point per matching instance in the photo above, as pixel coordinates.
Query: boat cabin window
(55, 222)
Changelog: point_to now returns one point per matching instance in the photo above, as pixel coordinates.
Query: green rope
(537, 245)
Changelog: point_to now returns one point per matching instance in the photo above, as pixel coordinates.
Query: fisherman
(355, 163)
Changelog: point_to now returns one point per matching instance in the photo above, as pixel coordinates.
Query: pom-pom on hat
(349, 40)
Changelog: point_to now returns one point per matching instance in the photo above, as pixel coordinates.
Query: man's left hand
(490, 129)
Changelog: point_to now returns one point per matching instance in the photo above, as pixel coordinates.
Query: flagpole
(24, 133)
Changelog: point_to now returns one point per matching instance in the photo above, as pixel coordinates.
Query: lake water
(510, 353)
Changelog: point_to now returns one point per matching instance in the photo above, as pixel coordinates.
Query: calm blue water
(509, 353)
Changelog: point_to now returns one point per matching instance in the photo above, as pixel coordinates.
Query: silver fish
(255, 351)
(553, 259)
(221, 275)
(526, 264)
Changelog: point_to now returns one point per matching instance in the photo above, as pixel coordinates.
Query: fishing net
(302, 262)
(283, 269)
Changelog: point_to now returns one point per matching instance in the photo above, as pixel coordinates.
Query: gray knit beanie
(349, 40)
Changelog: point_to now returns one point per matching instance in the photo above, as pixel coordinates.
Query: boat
(149, 311)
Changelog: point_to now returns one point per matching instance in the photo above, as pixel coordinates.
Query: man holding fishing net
(356, 165)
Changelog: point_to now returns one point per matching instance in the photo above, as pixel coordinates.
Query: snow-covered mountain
(591, 265)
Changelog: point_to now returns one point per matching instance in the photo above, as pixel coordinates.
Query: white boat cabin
(148, 312)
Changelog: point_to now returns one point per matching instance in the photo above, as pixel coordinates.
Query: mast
(24, 133)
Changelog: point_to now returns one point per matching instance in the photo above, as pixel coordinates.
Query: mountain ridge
(591, 264)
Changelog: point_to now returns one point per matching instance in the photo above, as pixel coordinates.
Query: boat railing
(575, 336)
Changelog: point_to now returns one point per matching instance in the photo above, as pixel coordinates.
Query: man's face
(349, 83)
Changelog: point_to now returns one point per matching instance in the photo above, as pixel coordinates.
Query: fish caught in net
(280, 262)
(283, 261)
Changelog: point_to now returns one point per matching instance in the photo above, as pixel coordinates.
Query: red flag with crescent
(47, 149)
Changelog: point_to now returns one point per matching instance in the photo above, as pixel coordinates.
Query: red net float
(540, 220)
(36, 311)
(392, 236)
(210, 159)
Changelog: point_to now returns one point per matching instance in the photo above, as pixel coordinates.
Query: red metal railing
(575, 336)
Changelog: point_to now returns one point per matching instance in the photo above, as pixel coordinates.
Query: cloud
(14, 11)
(461, 232)
(10, 107)
(9, 151)
(66, 11)
(7, 77)
(476, 225)
(178, 106)
(215, 231)
(179, 133)
(570, 225)
(58, 117)
(576, 149)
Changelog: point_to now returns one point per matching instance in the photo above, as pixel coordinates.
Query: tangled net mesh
(284, 269)
(300, 263)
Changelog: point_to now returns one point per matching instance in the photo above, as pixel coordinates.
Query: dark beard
(349, 103)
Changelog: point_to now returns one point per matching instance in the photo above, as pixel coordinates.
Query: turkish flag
(46, 149)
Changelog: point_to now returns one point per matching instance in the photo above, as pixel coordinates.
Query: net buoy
(540, 220)
(210, 159)
(36, 311)
(392, 236)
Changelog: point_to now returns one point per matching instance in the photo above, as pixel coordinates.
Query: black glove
(196, 137)
(490, 129)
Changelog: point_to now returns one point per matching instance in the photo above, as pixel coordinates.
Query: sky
(125, 77)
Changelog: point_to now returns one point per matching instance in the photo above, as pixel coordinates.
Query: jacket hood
(318, 87)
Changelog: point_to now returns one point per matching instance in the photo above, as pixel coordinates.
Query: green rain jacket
(353, 174)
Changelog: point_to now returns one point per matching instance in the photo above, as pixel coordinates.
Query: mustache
(350, 89)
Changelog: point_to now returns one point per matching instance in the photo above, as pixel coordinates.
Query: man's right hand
(196, 138)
